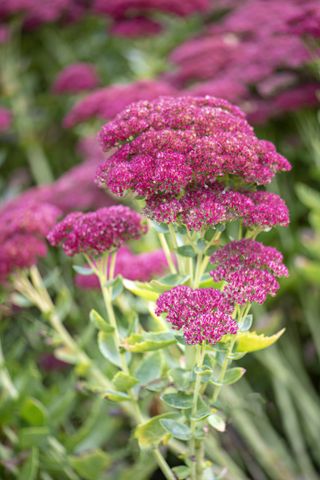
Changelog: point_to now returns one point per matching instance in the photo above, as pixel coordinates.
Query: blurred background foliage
(50, 425)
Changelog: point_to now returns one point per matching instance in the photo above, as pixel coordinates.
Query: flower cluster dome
(96, 232)
(249, 269)
(203, 315)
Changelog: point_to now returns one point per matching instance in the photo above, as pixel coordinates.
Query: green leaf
(165, 283)
(140, 290)
(99, 322)
(150, 368)
(108, 348)
(232, 376)
(33, 436)
(115, 396)
(148, 341)
(182, 472)
(33, 412)
(308, 196)
(209, 234)
(178, 400)
(201, 245)
(124, 382)
(252, 341)
(177, 429)
(246, 323)
(90, 465)
(210, 250)
(117, 287)
(160, 227)
(82, 270)
(217, 422)
(182, 378)
(30, 468)
(186, 251)
(151, 433)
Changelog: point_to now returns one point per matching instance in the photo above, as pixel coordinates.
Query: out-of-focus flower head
(107, 102)
(229, 52)
(5, 119)
(170, 144)
(95, 233)
(133, 18)
(4, 34)
(306, 21)
(141, 267)
(76, 78)
(135, 27)
(203, 315)
(23, 228)
(250, 270)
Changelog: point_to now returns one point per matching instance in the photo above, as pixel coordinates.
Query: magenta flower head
(107, 102)
(135, 27)
(249, 269)
(95, 233)
(203, 315)
(76, 78)
(23, 226)
(5, 119)
(168, 145)
(141, 267)
(203, 207)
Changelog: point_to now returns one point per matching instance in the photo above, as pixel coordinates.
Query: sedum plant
(199, 170)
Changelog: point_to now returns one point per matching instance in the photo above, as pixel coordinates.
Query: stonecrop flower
(94, 233)
(105, 103)
(141, 267)
(203, 315)
(23, 227)
(249, 269)
(135, 27)
(5, 119)
(76, 78)
(169, 144)
(209, 206)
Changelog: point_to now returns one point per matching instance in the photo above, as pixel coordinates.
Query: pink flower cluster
(138, 267)
(96, 232)
(201, 207)
(170, 144)
(76, 78)
(204, 315)
(107, 102)
(250, 270)
(22, 231)
(252, 43)
(132, 17)
(5, 119)
(306, 21)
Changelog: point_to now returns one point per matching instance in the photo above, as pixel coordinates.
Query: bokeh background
(66, 68)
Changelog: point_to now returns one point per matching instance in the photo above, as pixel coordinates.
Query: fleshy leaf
(252, 341)
(148, 341)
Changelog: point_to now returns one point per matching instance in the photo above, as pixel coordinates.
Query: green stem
(196, 449)
(166, 470)
(166, 251)
(223, 370)
(5, 379)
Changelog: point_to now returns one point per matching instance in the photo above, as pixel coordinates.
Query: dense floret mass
(94, 233)
(168, 144)
(209, 206)
(249, 269)
(203, 315)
